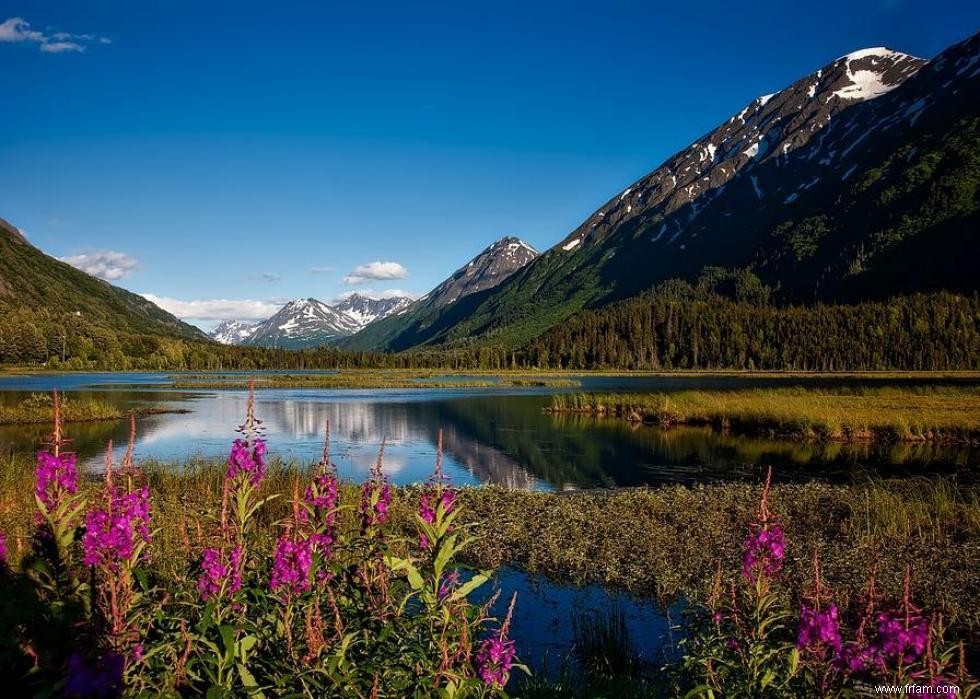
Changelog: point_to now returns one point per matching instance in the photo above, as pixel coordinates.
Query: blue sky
(246, 151)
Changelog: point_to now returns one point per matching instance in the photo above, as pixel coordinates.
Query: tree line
(676, 326)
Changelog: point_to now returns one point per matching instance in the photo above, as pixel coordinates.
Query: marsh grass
(662, 542)
(38, 408)
(373, 379)
(939, 413)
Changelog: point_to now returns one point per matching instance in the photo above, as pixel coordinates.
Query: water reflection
(490, 436)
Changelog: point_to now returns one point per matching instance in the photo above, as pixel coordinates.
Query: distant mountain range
(857, 181)
(310, 323)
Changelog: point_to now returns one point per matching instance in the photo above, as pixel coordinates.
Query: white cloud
(217, 309)
(61, 47)
(16, 29)
(322, 270)
(104, 264)
(376, 270)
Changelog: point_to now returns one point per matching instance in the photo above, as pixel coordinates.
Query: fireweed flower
(55, 477)
(436, 493)
(321, 497)
(902, 639)
(218, 574)
(291, 566)
(375, 501)
(375, 495)
(113, 532)
(819, 628)
(247, 458)
(495, 655)
(765, 548)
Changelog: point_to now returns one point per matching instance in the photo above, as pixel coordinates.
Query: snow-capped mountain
(232, 332)
(845, 185)
(303, 323)
(309, 322)
(365, 310)
(490, 268)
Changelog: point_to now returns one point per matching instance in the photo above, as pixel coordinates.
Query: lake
(494, 435)
(491, 435)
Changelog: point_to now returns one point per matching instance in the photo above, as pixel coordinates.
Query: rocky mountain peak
(493, 265)
(770, 127)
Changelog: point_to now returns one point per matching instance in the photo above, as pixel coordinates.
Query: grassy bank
(39, 409)
(939, 413)
(372, 379)
(661, 542)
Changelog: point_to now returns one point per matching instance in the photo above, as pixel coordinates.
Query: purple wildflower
(291, 565)
(904, 640)
(217, 574)
(3, 550)
(448, 584)
(247, 458)
(494, 659)
(55, 476)
(321, 498)
(764, 552)
(856, 657)
(375, 501)
(435, 493)
(112, 533)
(819, 628)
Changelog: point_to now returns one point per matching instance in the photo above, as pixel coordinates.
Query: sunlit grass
(910, 413)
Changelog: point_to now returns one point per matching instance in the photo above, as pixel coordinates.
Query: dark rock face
(451, 299)
(829, 189)
(488, 269)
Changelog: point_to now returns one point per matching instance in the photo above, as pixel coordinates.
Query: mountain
(449, 300)
(310, 323)
(232, 332)
(302, 323)
(365, 310)
(857, 181)
(47, 307)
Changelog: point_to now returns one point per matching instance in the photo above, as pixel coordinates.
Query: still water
(494, 435)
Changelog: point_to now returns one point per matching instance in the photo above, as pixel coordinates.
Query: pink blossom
(247, 458)
(55, 476)
(819, 628)
(113, 532)
(291, 566)
(764, 552)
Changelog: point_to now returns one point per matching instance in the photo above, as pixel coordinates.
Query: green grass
(38, 408)
(940, 413)
(662, 542)
(374, 379)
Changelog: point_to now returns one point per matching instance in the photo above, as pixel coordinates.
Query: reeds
(935, 413)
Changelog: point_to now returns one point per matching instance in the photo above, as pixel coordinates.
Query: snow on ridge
(571, 245)
(874, 51)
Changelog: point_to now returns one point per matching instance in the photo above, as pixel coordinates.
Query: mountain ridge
(760, 192)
